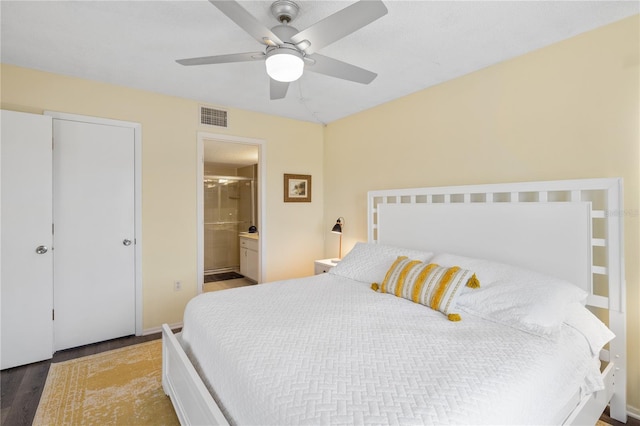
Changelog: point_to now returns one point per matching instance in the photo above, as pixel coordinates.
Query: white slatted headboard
(571, 229)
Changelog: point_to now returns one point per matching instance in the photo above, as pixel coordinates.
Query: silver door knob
(41, 249)
(126, 242)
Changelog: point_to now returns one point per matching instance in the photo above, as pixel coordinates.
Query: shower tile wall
(227, 211)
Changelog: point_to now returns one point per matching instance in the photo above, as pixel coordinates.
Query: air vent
(213, 117)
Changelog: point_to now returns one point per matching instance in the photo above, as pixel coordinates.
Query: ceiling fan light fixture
(285, 65)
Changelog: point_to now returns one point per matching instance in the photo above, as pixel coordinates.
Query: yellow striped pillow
(429, 284)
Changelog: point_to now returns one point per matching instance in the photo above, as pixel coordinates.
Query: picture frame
(297, 188)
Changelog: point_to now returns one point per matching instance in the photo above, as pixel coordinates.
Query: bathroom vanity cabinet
(249, 255)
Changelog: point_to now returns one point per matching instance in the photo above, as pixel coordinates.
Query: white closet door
(94, 262)
(27, 265)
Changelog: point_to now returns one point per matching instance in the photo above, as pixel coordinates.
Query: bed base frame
(604, 280)
(191, 399)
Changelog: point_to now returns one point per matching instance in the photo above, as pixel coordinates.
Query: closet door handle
(41, 249)
(126, 242)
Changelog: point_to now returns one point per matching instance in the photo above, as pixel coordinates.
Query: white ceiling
(416, 45)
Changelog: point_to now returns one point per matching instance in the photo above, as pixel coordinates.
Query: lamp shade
(337, 228)
(284, 65)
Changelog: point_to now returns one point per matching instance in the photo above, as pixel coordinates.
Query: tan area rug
(119, 387)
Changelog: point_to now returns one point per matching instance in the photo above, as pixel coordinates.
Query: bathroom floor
(222, 276)
(222, 285)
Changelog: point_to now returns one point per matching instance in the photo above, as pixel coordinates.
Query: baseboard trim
(633, 412)
(158, 329)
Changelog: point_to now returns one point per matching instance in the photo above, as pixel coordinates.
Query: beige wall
(567, 111)
(293, 232)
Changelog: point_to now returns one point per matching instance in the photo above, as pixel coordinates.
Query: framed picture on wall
(297, 188)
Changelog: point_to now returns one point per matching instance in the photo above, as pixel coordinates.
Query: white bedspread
(326, 349)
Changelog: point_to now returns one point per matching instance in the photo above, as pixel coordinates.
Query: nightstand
(323, 265)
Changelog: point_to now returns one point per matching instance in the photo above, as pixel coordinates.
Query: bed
(519, 348)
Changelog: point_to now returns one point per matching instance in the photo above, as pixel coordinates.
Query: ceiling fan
(288, 51)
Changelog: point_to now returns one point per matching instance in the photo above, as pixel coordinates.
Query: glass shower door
(228, 207)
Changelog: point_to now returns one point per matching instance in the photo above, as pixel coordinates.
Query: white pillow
(594, 330)
(517, 297)
(597, 335)
(369, 262)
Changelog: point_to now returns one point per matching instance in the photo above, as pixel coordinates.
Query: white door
(93, 211)
(27, 265)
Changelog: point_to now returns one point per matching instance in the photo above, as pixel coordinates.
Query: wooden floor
(630, 420)
(22, 387)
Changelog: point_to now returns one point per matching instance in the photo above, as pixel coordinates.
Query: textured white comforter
(326, 349)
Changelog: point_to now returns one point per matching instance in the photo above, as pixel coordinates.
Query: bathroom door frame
(261, 188)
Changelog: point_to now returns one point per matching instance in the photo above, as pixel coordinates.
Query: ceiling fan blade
(335, 68)
(246, 21)
(340, 24)
(223, 59)
(278, 89)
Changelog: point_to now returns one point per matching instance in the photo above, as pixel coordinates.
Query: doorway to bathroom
(230, 217)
